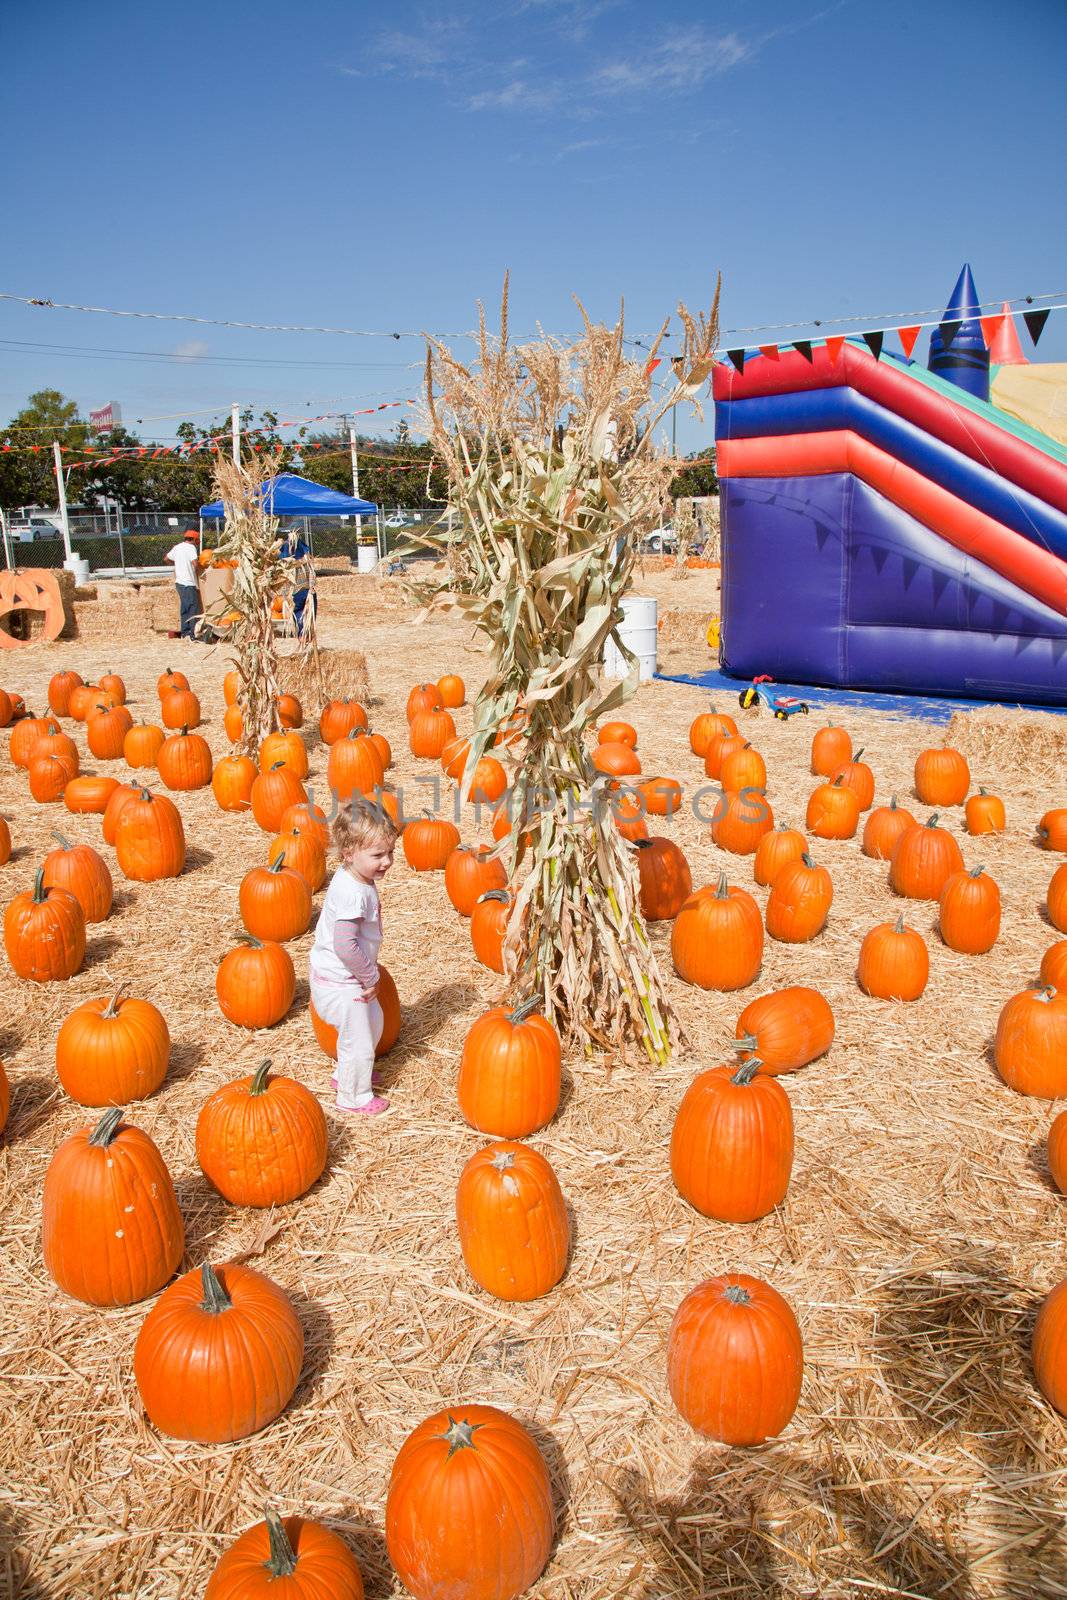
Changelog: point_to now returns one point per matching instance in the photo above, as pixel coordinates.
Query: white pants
(359, 1025)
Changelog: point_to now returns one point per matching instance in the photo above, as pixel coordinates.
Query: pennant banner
(738, 359)
(991, 326)
(834, 346)
(908, 336)
(804, 346)
(949, 331)
(873, 341)
(1035, 322)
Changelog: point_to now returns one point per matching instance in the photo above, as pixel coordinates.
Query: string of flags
(874, 339)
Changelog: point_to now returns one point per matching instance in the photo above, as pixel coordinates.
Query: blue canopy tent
(288, 495)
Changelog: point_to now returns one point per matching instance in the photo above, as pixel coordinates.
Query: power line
(170, 356)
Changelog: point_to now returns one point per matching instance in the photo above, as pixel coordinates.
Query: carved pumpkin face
(34, 589)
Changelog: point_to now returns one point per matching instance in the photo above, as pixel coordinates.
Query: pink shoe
(374, 1108)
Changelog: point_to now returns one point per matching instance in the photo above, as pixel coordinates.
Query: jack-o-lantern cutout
(33, 589)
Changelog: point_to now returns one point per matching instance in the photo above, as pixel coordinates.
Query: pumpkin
(113, 685)
(185, 761)
(255, 983)
(169, 680)
(732, 1143)
(743, 769)
(488, 781)
(119, 797)
(799, 901)
(429, 732)
(665, 879)
(271, 795)
(383, 747)
(1056, 899)
(1051, 830)
(469, 1508)
(831, 748)
(618, 760)
(142, 744)
(290, 712)
(180, 708)
(112, 1232)
(833, 811)
(428, 843)
(302, 852)
(707, 726)
(5, 842)
(309, 819)
(231, 783)
(149, 838)
(1030, 1044)
(275, 902)
(388, 999)
(454, 757)
(44, 933)
(18, 707)
(894, 963)
(234, 723)
(512, 1220)
(627, 808)
(285, 749)
(1054, 966)
(923, 859)
(509, 1072)
(60, 687)
(111, 1050)
(735, 1361)
(969, 912)
(942, 777)
(219, 1355)
(717, 938)
(49, 776)
(617, 733)
(661, 797)
(6, 708)
(261, 1140)
(718, 749)
(88, 793)
(24, 736)
(5, 1098)
(1057, 1152)
(389, 803)
(512, 728)
(489, 924)
(470, 870)
(296, 1558)
(231, 686)
(739, 821)
(774, 850)
(81, 698)
(83, 871)
(785, 1029)
(883, 828)
(1049, 1348)
(105, 731)
(53, 742)
(354, 766)
(338, 718)
(423, 697)
(984, 813)
(858, 776)
(452, 690)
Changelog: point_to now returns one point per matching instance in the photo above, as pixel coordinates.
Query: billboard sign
(108, 417)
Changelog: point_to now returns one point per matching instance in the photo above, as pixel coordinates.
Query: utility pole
(355, 478)
(235, 429)
(61, 488)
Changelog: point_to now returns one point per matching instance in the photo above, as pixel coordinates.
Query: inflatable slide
(884, 526)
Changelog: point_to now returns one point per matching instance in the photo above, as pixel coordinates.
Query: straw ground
(919, 1232)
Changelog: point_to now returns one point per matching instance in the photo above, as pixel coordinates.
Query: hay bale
(1008, 738)
(680, 626)
(166, 612)
(97, 620)
(343, 675)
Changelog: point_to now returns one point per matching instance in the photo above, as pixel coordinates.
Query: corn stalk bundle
(553, 481)
(685, 527)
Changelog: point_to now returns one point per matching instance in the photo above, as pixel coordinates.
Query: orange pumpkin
(1048, 1348)
(89, 793)
(1057, 1152)
(509, 1072)
(469, 871)
(49, 776)
(429, 842)
(739, 821)
(354, 766)
(423, 697)
(261, 1140)
(286, 749)
(969, 912)
(454, 757)
(661, 797)
(830, 749)
(5, 842)
(114, 687)
(799, 901)
(304, 853)
(1052, 830)
(121, 795)
(707, 726)
(883, 828)
(774, 850)
(231, 686)
(180, 708)
(272, 793)
(1056, 899)
(60, 687)
(142, 744)
(1054, 966)
(234, 723)
(149, 838)
(106, 728)
(388, 999)
(923, 859)
(81, 870)
(617, 733)
(184, 761)
(833, 810)
(732, 1143)
(429, 732)
(298, 1555)
(290, 712)
(231, 783)
(24, 736)
(942, 777)
(170, 680)
(489, 923)
(452, 690)
(743, 769)
(719, 747)
(275, 902)
(618, 760)
(717, 938)
(111, 1050)
(80, 700)
(984, 813)
(488, 781)
(513, 1227)
(858, 776)
(338, 718)
(894, 963)
(665, 879)
(44, 933)
(735, 1360)
(785, 1029)
(307, 818)
(1030, 1045)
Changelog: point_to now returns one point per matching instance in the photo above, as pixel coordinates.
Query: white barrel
(638, 633)
(366, 557)
(80, 568)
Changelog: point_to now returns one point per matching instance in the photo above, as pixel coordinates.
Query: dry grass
(1005, 736)
(919, 1232)
(328, 675)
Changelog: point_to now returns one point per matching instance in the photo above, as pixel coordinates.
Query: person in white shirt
(183, 558)
(344, 957)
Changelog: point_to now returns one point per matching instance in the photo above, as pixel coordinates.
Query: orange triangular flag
(991, 326)
(834, 345)
(908, 336)
(771, 351)
(1005, 350)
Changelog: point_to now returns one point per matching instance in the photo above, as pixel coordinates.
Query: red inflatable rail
(801, 455)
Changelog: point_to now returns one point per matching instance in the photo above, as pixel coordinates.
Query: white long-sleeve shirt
(349, 932)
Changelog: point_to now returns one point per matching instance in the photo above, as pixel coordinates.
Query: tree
(388, 474)
(697, 479)
(27, 469)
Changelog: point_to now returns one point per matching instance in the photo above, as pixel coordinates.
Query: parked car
(35, 527)
(661, 541)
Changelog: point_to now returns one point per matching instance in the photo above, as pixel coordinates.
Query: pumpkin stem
(495, 894)
(107, 1128)
(259, 1078)
(900, 924)
(976, 872)
(1045, 995)
(931, 822)
(64, 843)
(838, 781)
(746, 1071)
(276, 765)
(736, 1294)
(40, 894)
(250, 940)
(859, 752)
(807, 860)
(215, 1300)
(503, 1161)
(112, 1009)
(980, 789)
(525, 1008)
(460, 1435)
(282, 1562)
(722, 891)
(643, 844)
(145, 794)
(747, 1042)
(278, 863)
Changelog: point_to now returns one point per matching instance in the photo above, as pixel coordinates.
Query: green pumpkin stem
(900, 924)
(282, 1561)
(278, 863)
(215, 1300)
(747, 1042)
(809, 861)
(64, 842)
(40, 893)
(976, 872)
(931, 822)
(259, 1078)
(746, 1071)
(460, 1435)
(736, 1294)
(107, 1128)
(722, 891)
(112, 1008)
(525, 1008)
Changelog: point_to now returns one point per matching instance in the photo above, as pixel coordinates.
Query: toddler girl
(344, 956)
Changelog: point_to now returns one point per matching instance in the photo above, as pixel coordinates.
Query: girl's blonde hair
(361, 823)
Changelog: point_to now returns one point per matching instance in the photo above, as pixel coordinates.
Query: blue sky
(379, 166)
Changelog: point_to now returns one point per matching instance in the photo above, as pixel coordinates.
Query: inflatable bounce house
(897, 527)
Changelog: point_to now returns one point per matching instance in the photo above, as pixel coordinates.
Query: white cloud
(191, 349)
(518, 95)
(683, 59)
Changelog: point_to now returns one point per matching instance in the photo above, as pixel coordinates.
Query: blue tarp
(290, 496)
